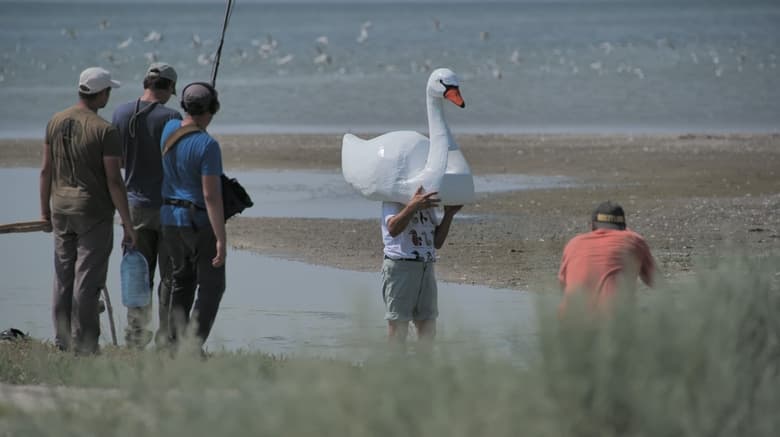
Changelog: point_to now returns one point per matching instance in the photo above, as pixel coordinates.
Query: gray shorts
(409, 290)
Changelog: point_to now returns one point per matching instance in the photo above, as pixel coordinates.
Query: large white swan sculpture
(391, 167)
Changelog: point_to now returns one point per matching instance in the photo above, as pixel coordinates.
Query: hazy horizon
(355, 1)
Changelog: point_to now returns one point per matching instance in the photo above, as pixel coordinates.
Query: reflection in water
(273, 305)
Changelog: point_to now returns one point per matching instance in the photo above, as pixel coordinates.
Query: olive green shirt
(79, 139)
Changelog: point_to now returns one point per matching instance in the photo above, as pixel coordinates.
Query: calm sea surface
(595, 66)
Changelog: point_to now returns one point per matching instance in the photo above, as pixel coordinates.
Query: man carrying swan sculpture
(411, 235)
(412, 175)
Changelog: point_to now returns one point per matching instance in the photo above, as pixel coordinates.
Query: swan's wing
(374, 167)
(358, 163)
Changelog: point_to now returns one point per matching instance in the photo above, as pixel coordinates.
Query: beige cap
(95, 79)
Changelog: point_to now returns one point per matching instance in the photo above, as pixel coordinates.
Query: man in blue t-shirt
(192, 215)
(140, 123)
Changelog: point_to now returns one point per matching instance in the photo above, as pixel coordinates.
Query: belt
(182, 204)
(406, 259)
(185, 204)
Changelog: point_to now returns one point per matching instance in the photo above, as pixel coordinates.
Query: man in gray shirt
(140, 123)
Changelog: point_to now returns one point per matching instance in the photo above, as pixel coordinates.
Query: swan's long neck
(440, 140)
(437, 125)
(431, 175)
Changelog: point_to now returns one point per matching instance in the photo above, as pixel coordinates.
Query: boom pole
(218, 55)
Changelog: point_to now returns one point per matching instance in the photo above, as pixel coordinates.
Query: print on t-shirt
(416, 241)
(71, 133)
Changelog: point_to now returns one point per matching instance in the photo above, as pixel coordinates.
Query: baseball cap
(95, 79)
(162, 70)
(199, 95)
(609, 215)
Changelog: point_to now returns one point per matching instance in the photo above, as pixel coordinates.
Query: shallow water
(325, 194)
(271, 305)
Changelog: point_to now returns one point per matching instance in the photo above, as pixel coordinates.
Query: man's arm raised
(421, 200)
(444, 227)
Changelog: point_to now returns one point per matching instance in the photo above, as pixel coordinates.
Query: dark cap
(161, 70)
(609, 215)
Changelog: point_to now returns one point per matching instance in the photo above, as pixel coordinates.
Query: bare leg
(426, 332)
(397, 331)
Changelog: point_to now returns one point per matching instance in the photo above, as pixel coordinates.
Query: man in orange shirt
(605, 260)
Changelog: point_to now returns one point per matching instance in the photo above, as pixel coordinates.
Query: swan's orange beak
(453, 95)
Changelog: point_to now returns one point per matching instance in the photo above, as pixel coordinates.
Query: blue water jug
(134, 272)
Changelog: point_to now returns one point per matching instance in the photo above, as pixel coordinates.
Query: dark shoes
(13, 334)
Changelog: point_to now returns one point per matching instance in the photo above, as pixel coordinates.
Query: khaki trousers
(82, 246)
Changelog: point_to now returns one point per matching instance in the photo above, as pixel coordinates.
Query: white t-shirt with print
(416, 241)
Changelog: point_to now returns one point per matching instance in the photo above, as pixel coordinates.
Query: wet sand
(691, 196)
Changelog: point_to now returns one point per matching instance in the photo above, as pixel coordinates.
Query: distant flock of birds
(265, 49)
(269, 48)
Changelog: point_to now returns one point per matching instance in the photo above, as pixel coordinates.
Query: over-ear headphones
(197, 108)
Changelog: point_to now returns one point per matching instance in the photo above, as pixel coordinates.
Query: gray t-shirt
(141, 151)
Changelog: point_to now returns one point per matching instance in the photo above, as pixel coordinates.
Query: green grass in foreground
(700, 359)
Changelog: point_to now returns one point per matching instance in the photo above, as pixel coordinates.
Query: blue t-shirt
(143, 169)
(193, 156)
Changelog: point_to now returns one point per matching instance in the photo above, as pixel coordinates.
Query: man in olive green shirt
(80, 187)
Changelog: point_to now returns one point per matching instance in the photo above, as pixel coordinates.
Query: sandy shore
(692, 196)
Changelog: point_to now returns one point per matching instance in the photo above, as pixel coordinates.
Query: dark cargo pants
(191, 251)
(82, 246)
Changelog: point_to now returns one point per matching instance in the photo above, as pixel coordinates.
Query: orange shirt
(605, 260)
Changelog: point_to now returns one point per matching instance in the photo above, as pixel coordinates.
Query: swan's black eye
(447, 87)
